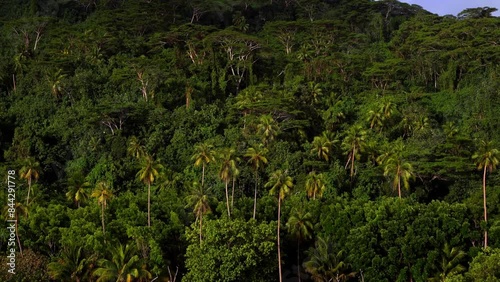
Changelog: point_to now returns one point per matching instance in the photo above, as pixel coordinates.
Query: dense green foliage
(355, 140)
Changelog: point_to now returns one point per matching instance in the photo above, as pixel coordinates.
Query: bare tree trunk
(14, 81)
(279, 248)
(232, 193)
(17, 235)
(227, 201)
(149, 204)
(255, 196)
(29, 189)
(484, 206)
(399, 184)
(202, 176)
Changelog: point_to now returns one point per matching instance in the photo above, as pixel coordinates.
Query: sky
(444, 7)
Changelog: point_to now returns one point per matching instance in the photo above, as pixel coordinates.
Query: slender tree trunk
(255, 196)
(14, 81)
(17, 235)
(102, 218)
(149, 204)
(227, 201)
(352, 161)
(279, 248)
(201, 222)
(232, 193)
(399, 183)
(485, 211)
(202, 176)
(29, 189)
(298, 259)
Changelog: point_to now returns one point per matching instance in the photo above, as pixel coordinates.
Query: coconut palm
(257, 158)
(72, 265)
(103, 194)
(267, 128)
(449, 263)
(399, 170)
(486, 158)
(19, 210)
(354, 145)
(147, 174)
(199, 201)
(29, 171)
(135, 149)
(280, 184)
(122, 265)
(77, 189)
(204, 154)
(322, 146)
(315, 184)
(228, 166)
(300, 226)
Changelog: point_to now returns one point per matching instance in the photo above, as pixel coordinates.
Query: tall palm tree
(103, 194)
(300, 226)
(147, 174)
(375, 119)
(257, 157)
(135, 149)
(486, 158)
(234, 172)
(322, 146)
(77, 189)
(267, 128)
(200, 203)
(204, 154)
(354, 145)
(228, 165)
(280, 184)
(72, 265)
(399, 170)
(19, 210)
(315, 184)
(29, 171)
(122, 266)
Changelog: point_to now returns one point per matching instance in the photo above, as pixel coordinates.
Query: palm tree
(200, 203)
(72, 265)
(29, 171)
(325, 265)
(204, 154)
(103, 194)
(354, 144)
(228, 166)
(301, 227)
(322, 146)
(257, 157)
(449, 263)
(147, 174)
(135, 149)
(77, 189)
(122, 266)
(55, 81)
(234, 172)
(19, 210)
(315, 185)
(280, 184)
(375, 119)
(399, 170)
(267, 128)
(486, 158)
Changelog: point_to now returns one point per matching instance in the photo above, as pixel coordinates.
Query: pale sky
(443, 7)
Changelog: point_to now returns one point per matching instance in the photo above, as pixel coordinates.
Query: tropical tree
(300, 226)
(122, 266)
(204, 154)
(135, 149)
(77, 189)
(322, 146)
(147, 174)
(486, 158)
(199, 201)
(449, 263)
(280, 184)
(29, 171)
(354, 144)
(267, 128)
(19, 210)
(103, 194)
(71, 265)
(257, 158)
(326, 265)
(315, 184)
(396, 168)
(228, 167)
